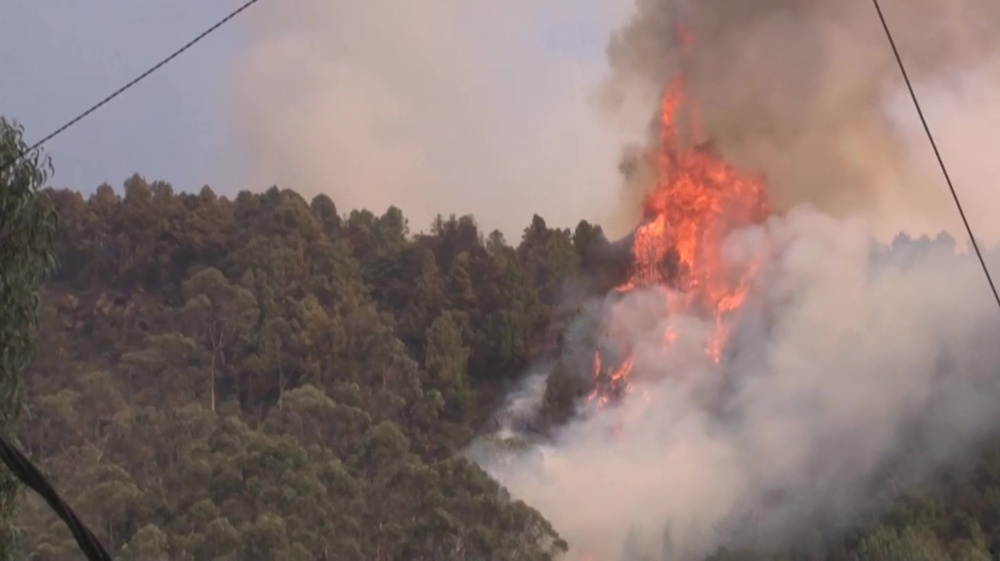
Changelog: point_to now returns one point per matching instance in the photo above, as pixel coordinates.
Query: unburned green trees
(27, 227)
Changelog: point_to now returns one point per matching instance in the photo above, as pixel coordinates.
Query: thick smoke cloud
(438, 106)
(841, 358)
(807, 92)
(850, 362)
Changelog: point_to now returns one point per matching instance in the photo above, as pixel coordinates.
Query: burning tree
(695, 200)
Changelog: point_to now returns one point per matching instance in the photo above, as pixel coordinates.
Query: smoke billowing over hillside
(852, 368)
(848, 363)
(441, 106)
(808, 92)
(844, 363)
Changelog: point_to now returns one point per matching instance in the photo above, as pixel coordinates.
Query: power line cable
(128, 85)
(16, 461)
(22, 467)
(29, 474)
(937, 153)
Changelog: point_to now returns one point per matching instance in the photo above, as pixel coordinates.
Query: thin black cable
(22, 467)
(17, 462)
(128, 86)
(937, 153)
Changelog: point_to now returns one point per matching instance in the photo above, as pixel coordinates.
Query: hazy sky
(61, 57)
(446, 106)
(178, 125)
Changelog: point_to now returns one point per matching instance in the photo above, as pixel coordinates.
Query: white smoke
(844, 356)
(840, 356)
(437, 107)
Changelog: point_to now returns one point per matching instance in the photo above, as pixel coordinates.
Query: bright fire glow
(697, 199)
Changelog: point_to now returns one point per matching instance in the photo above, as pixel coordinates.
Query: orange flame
(695, 202)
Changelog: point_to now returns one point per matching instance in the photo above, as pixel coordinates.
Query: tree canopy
(266, 377)
(27, 226)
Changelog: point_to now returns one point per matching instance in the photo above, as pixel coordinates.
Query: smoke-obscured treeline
(273, 378)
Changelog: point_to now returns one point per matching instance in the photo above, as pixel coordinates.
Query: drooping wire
(937, 153)
(16, 461)
(145, 74)
(25, 471)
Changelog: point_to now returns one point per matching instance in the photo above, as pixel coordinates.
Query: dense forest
(264, 378)
(268, 377)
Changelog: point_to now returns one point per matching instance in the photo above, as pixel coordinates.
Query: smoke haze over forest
(435, 105)
(806, 93)
(293, 373)
(442, 107)
(849, 361)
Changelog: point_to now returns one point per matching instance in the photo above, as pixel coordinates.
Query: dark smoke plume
(798, 89)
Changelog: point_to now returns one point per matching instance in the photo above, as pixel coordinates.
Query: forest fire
(696, 201)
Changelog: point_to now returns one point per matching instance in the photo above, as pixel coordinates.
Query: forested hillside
(267, 378)
(271, 378)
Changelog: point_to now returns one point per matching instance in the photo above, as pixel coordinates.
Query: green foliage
(262, 378)
(910, 544)
(27, 226)
(266, 378)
